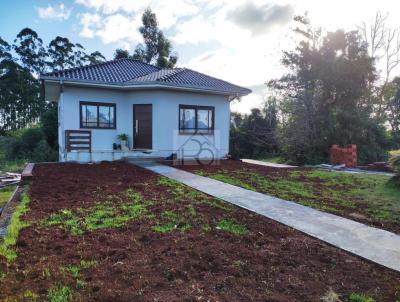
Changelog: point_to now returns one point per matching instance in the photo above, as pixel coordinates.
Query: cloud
(115, 28)
(59, 12)
(260, 19)
(168, 12)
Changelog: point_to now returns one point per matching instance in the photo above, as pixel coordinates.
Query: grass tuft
(13, 229)
(354, 297)
(231, 227)
(100, 216)
(59, 294)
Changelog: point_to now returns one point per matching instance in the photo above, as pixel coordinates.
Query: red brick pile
(344, 156)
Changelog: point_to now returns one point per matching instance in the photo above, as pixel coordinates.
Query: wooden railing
(78, 140)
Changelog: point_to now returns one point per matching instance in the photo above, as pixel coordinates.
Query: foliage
(75, 270)
(174, 221)
(102, 215)
(123, 137)
(255, 135)
(373, 196)
(49, 123)
(13, 229)
(59, 294)
(157, 48)
(324, 99)
(5, 194)
(21, 101)
(354, 297)
(230, 226)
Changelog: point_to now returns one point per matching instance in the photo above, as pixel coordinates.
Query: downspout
(61, 135)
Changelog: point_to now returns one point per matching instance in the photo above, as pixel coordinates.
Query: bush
(50, 126)
(23, 147)
(43, 152)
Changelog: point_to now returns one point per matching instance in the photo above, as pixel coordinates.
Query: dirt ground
(352, 196)
(198, 259)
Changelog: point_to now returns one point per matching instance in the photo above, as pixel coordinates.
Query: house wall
(166, 137)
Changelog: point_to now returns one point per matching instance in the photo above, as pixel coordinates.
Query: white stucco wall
(166, 137)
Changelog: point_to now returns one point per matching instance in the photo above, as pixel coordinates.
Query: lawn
(5, 194)
(371, 199)
(115, 232)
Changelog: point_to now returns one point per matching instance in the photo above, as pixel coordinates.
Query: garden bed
(370, 199)
(115, 232)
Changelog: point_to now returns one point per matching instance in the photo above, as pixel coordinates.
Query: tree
(30, 50)
(157, 48)
(324, 99)
(255, 135)
(5, 50)
(121, 54)
(95, 58)
(64, 54)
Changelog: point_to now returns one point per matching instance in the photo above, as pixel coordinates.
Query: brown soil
(271, 263)
(358, 213)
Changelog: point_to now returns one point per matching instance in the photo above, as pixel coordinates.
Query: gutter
(143, 85)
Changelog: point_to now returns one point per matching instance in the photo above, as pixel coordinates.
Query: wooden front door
(142, 126)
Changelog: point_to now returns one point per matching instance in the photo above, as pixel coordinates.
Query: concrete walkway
(264, 163)
(371, 243)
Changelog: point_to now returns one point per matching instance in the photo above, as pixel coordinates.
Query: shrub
(23, 146)
(50, 126)
(43, 152)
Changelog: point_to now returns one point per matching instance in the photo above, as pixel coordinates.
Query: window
(196, 119)
(97, 115)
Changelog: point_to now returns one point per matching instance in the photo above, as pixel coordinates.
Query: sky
(240, 41)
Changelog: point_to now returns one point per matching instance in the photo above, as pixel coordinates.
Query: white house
(164, 112)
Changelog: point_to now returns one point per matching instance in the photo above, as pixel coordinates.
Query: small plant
(174, 222)
(354, 297)
(230, 226)
(75, 270)
(2, 275)
(13, 229)
(123, 137)
(59, 294)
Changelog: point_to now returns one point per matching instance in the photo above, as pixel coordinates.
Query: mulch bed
(271, 263)
(359, 213)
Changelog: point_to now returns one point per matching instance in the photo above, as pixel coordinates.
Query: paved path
(264, 163)
(371, 243)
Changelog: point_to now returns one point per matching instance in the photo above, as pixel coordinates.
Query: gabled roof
(127, 73)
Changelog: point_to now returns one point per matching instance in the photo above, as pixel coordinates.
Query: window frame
(98, 105)
(196, 129)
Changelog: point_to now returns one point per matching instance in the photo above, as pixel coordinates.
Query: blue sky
(237, 40)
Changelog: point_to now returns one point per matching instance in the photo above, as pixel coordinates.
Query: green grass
(15, 166)
(59, 294)
(74, 270)
(232, 180)
(373, 196)
(232, 227)
(13, 229)
(5, 194)
(174, 221)
(101, 216)
(354, 297)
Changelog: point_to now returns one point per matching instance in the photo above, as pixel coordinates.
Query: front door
(142, 126)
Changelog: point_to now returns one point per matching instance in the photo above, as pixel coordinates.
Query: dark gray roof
(128, 72)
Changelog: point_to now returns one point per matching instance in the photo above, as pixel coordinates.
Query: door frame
(134, 126)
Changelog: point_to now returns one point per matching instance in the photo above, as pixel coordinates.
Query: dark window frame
(98, 105)
(196, 129)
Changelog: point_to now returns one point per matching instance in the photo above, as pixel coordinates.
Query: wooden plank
(28, 171)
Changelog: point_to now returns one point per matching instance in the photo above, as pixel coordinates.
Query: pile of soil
(271, 262)
(325, 201)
